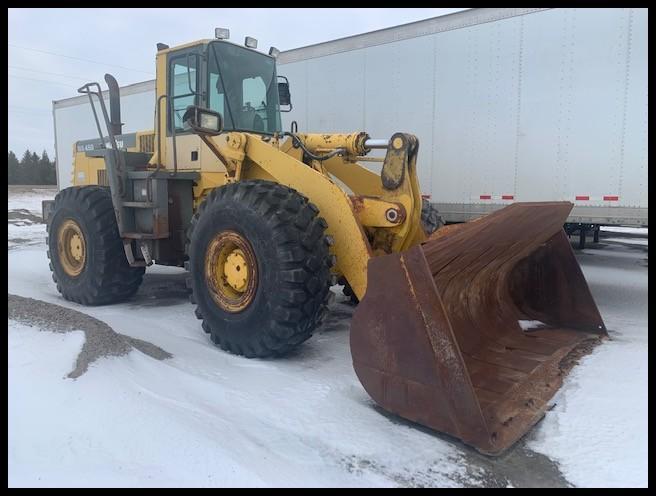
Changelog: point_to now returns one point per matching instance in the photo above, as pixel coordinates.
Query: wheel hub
(231, 271)
(76, 247)
(235, 270)
(71, 247)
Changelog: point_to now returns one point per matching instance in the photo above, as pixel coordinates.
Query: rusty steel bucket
(442, 336)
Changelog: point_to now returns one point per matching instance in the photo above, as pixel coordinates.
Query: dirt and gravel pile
(100, 339)
(21, 216)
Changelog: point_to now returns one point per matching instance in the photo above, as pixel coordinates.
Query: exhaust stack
(114, 105)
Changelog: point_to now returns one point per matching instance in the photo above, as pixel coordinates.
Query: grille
(102, 177)
(147, 143)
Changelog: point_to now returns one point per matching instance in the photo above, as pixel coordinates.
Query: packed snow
(628, 241)
(642, 231)
(598, 428)
(29, 198)
(206, 418)
(24, 225)
(527, 325)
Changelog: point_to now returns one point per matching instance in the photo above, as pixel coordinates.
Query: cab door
(184, 82)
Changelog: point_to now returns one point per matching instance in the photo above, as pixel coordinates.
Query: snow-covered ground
(207, 418)
(29, 197)
(598, 428)
(642, 231)
(24, 209)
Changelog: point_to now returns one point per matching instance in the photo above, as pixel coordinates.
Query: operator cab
(218, 76)
(236, 81)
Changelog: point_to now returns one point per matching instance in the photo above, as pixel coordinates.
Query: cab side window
(254, 105)
(217, 98)
(182, 75)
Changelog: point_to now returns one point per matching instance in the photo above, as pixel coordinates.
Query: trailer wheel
(259, 267)
(582, 235)
(86, 254)
(431, 220)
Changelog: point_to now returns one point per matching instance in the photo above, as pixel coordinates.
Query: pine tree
(34, 169)
(31, 169)
(51, 175)
(13, 169)
(25, 175)
(43, 169)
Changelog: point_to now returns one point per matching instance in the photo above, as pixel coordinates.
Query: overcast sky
(122, 42)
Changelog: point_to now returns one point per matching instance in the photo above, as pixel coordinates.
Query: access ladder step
(137, 235)
(137, 204)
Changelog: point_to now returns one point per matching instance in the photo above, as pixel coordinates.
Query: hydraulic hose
(320, 158)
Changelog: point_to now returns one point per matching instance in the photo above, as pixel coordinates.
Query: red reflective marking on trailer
(486, 197)
(507, 197)
(582, 197)
(611, 198)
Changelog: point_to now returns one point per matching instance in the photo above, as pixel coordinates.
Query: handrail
(87, 91)
(120, 169)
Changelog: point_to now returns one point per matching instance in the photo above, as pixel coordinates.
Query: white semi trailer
(508, 105)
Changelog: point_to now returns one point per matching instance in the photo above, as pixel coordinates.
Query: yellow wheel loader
(467, 329)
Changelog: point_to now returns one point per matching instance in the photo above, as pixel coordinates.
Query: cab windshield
(243, 88)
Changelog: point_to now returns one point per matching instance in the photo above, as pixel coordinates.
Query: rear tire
(100, 273)
(431, 220)
(288, 259)
(348, 291)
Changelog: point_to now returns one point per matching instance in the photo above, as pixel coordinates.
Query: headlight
(209, 121)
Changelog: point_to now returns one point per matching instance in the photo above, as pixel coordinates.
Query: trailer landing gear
(582, 230)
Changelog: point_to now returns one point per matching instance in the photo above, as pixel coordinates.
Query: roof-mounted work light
(221, 33)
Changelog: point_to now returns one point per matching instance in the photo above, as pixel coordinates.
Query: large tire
(105, 275)
(290, 256)
(431, 220)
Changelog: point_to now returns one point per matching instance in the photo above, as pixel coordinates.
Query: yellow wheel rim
(231, 271)
(71, 247)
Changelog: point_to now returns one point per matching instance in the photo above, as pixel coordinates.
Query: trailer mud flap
(472, 332)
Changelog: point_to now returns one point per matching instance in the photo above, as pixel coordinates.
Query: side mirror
(202, 121)
(284, 97)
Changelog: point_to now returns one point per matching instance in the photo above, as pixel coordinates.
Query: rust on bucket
(441, 337)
